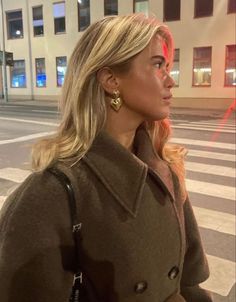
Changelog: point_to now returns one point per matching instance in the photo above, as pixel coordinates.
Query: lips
(168, 97)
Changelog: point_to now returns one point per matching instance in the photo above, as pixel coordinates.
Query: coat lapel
(122, 173)
(158, 167)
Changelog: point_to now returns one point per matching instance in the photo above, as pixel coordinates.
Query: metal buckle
(77, 227)
(78, 276)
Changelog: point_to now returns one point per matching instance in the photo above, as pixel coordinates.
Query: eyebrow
(158, 57)
(162, 58)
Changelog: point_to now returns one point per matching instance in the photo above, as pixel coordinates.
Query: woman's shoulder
(36, 198)
(42, 194)
(35, 223)
(36, 184)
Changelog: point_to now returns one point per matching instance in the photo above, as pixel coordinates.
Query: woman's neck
(125, 138)
(122, 125)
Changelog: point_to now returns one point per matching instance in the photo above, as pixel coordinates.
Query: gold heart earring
(116, 102)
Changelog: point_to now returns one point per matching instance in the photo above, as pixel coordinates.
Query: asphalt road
(210, 167)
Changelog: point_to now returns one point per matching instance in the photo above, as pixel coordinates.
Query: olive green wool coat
(139, 240)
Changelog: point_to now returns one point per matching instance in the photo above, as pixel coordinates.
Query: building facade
(41, 35)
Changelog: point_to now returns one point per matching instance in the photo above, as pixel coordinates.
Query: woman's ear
(107, 79)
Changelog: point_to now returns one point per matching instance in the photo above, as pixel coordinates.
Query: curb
(216, 113)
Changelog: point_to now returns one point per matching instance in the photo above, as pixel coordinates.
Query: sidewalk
(211, 113)
(47, 103)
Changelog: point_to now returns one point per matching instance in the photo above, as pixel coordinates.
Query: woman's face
(146, 87)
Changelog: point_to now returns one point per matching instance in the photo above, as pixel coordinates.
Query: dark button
(140, 287)
(173, 273)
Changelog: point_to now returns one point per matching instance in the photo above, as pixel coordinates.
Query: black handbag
(76, 226)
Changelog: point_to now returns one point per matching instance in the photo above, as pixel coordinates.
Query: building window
(40, 72)
(38, 20)
(203, 8)
(230, 65)
(14, 24)
(8, 59)
(171, 10)
(18, 76)
(61, 70)
(231, 6)
(202, 66)
(110, 7)
(83, 14)
(59, 17)
(141, 6)
(175, 69)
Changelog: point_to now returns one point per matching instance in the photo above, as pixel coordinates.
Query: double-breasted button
(173, 273)
(140, 287)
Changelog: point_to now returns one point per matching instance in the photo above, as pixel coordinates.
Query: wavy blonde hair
(111, 42)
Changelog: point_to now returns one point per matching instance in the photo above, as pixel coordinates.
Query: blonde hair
(110, 42)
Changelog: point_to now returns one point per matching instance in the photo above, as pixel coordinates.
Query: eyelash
(159, 64)
(162, 64)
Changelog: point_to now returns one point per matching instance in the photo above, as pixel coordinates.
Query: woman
(139, 240)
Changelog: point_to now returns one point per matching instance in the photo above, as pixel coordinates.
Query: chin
(160, 115)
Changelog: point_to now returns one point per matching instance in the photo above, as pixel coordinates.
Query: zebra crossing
(210, 171)
(201, 154)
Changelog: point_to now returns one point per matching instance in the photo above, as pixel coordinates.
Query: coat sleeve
(36, 245)
(195, 269)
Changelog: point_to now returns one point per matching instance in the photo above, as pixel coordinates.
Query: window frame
(228, 10)
(197, 17)
(7, 23)
(37, 6)
(164, 17)
(11, 70)
(134, 2)
(176, 85)
(227, 86)
(205, 86)
(78, 13)
(37, 73)
(59, 86)
(59, 32)
(111, 14)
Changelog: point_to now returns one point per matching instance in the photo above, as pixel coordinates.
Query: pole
(30, 52)
(4, 57)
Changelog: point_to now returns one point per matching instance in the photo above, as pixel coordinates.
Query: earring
(116, 102)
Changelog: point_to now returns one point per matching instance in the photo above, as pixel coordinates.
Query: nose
(168, 80)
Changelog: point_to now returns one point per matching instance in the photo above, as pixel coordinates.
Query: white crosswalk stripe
(212, 124)
(210, 169)
(25, 138)
(192, 127)
(215, 220)
(222, 277)
(212, 155)
(206, 188)
(202, 143)
(14, 174)
(28, 121)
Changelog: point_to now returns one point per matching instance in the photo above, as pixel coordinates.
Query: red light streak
(223, 121)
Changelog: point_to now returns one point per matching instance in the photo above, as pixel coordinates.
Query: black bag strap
(76, 226)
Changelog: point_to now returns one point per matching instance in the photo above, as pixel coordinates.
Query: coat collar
(123, 173)
(157, 167)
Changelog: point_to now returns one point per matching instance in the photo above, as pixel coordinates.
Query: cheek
(146, 83)
(143, 95)
(141, 87)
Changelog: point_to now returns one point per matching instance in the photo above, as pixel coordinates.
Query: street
(210, 171)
